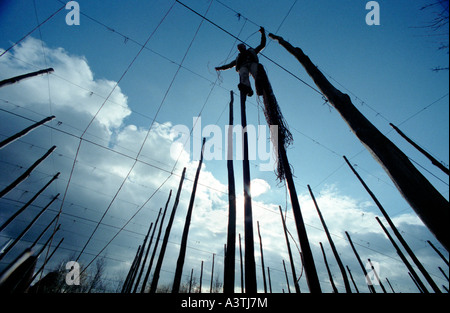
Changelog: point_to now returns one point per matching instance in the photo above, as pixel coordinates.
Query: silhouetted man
(247, 63)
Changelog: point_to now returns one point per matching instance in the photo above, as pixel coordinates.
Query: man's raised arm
(261, 46)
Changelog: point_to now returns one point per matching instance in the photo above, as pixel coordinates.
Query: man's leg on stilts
(244, 81)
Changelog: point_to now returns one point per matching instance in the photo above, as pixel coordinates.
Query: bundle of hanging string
(273, 115)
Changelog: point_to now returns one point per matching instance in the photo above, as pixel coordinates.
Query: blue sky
(386, 69)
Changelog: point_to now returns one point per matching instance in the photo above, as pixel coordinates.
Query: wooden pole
(262, 258)
(43, 232)
(230, 255)
(369, 284)
(9, 247)
(212, 275)
(16, 79)
(351, 277)
(250, 265)
(155, 248)
(402, 257)
(147, 274)
(242, 266)
(22, 133)
(438, 252)
(426, 201)
(26, 173)
(312, 278)
(333, 247)
(443, 273)
(376, 276)
(328, 269)
(201, 278)
(286, 275)
(396, 232)
(138, 280)
(389, 283)
(129, 279)
(270, 281)
(11, 218)
(429, 156)
(190, 280)
(162, 252)
(415, 283)
(181, 256)
(291, 260)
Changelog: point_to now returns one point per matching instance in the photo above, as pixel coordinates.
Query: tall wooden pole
(262, 258)
(328, 269)
(242, 266)
(147, 274)
(351, 277)
(26, 173)
(25, 131)
(402, 257)
(162, 252)
(426, 201)
(17, 79)
(12, 217)
(155, 248)
(291, 259)
(333, 247)
(270, 281)
(369, 284)
(138, 280)
(312, 278)
(201, 278)
(212, 275)
(230, 255)
(396, 232)
(376, 276)
(287, 278)
(421, 150)
(10, 246)
(250, 266)
(184, 238)
(438, 252)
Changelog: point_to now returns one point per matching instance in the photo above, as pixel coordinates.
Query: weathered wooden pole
(389, 283)
(328, 269)
(24, 132)
(155, 248)
(201, 278)
(287, 278)
(396, 232)
(242, 266)
(351, 277)
(376, 276)
(43, 232)
(333, 247)
(212, 275)
(426, 201)
(181, 256)
(126, 288)
(12, 217)
(144, 244)
(402, 257)
(415, 282)
(291, 259)
(9, 247)
(147, 273)
(162, 252)
(312, 278)
(250, 265)
(48, 258)
(443, 273)
(438, 252)
(369, 283)
(26, 173)
(270, 281)
(16, 79)
(230, 255)
(190, 280)
(262, 258)
(421, 150)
